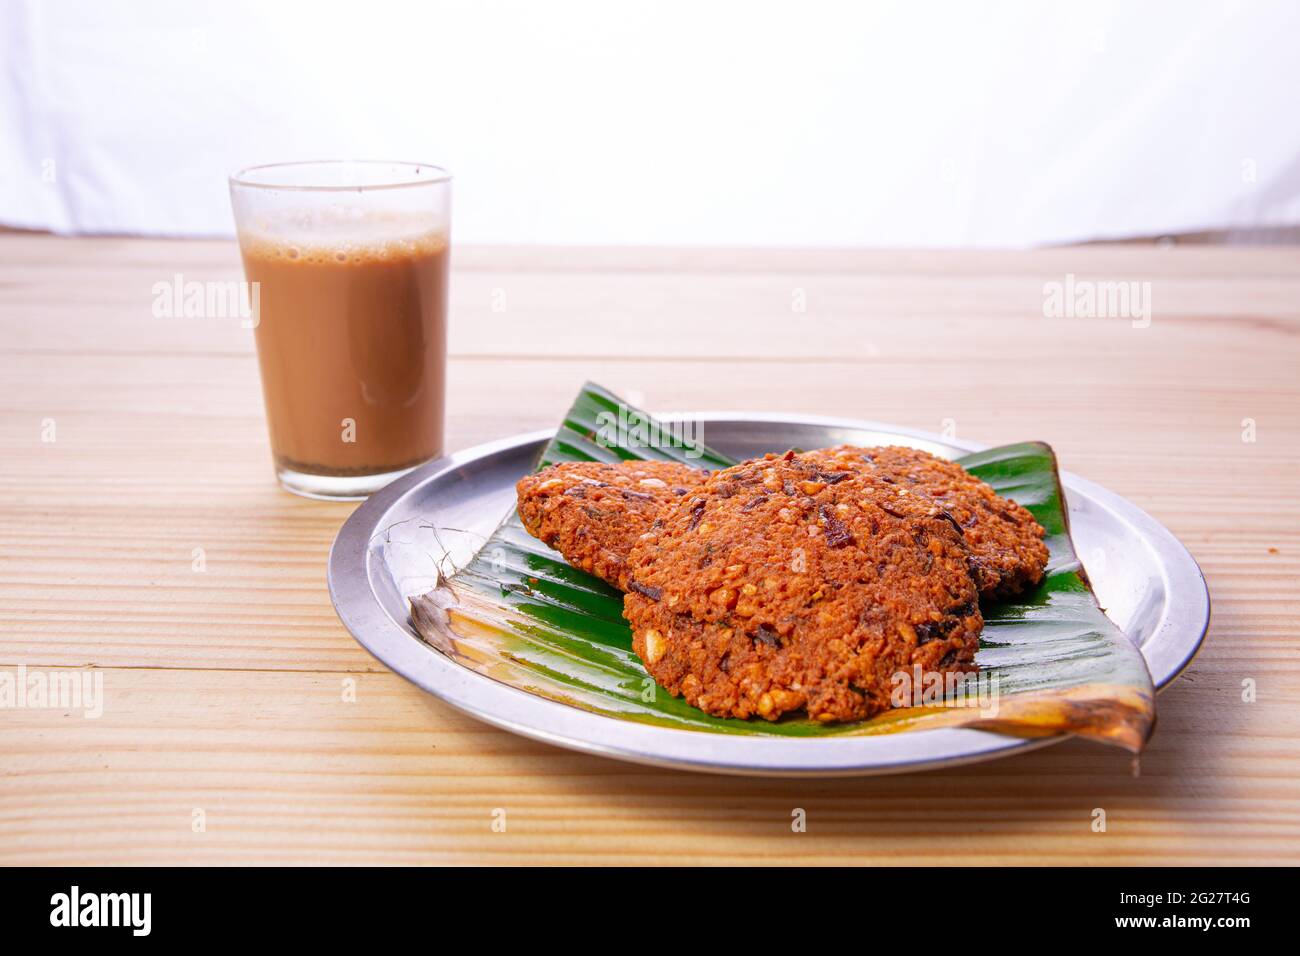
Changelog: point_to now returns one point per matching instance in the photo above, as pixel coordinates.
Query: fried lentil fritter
(1005, 542)
(593, 512)
(779, 585)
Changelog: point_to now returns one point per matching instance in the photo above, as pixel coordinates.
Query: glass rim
(242, 178)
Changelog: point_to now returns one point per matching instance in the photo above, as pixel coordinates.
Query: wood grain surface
(241, 723)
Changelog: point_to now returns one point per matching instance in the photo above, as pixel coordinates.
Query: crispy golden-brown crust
(593, 513)
(1005, 542)
(776, 587)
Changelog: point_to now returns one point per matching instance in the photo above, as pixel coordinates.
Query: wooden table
(226, 736)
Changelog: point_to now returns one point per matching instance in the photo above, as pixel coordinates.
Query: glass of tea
(347, 269)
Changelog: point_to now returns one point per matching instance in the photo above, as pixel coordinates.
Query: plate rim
(559, 724)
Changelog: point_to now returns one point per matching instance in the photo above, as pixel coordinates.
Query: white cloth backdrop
(794, 123)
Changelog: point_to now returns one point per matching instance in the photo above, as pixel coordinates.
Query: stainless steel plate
(436, 517)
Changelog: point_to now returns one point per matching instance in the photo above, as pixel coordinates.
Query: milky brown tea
(352, 340)
(348, 265)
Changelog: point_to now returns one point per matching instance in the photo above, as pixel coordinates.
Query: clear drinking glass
(347, 269)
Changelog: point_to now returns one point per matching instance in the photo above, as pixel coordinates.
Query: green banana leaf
(1050, 660)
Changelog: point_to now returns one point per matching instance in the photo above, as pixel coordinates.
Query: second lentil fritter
(593, 512)
(1005, 542)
